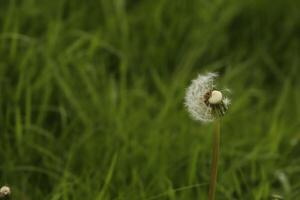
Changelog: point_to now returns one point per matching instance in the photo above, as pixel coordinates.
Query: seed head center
(215, 97)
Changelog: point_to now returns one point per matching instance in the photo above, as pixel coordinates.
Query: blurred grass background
(91, 96)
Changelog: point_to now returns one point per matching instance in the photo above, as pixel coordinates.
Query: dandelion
(206, 103)
(4, 191)
(203, 101)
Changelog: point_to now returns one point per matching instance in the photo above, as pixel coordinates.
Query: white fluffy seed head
(216, 97)
(4, 191)
(199, 104)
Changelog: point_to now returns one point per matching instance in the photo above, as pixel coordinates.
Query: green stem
(215, 158)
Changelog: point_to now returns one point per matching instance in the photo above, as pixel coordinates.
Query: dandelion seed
(203, 101)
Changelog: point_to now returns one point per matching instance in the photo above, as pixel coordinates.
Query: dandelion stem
(215, 158)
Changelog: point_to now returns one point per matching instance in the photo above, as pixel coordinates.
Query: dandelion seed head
(203, 101)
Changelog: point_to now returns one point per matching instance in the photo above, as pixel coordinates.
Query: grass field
(91, 96)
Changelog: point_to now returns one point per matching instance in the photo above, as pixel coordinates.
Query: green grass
(91, 96)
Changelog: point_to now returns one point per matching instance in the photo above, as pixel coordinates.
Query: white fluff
(194, 99)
